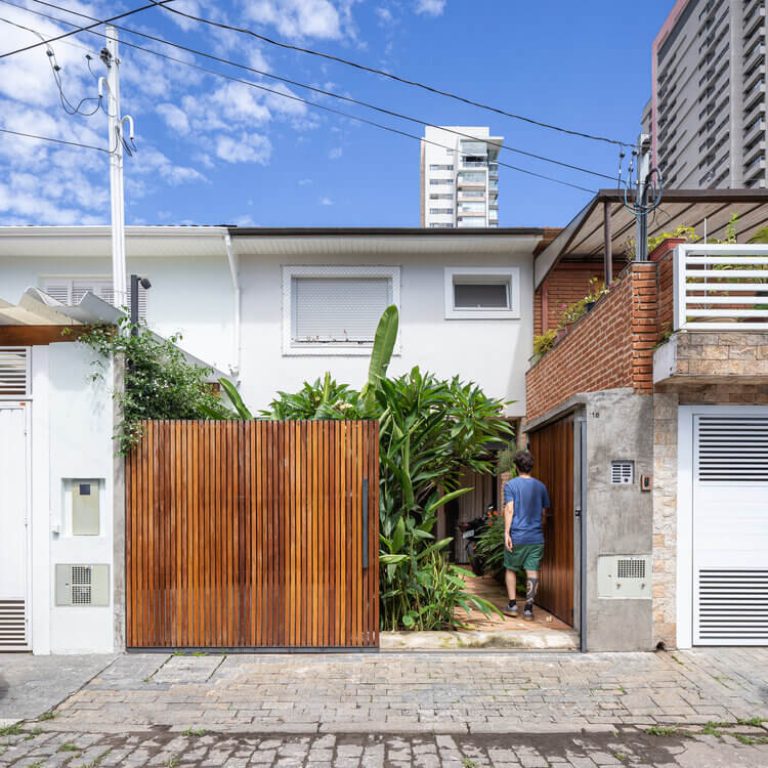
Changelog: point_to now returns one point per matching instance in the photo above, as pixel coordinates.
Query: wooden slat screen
(250, 534)
(552, 449)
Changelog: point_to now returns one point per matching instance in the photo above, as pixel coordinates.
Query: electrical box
(81, 584)
(624, 577)
(86, 507)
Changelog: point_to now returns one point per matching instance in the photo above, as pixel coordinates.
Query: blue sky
(212, 151)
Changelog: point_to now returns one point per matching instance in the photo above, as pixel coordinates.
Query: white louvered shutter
(14, 371)
(338, 309)
(730, 528)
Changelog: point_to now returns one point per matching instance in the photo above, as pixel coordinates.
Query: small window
(335, 310)
(482, 293)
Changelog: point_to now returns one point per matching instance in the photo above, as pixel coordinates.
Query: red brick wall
(666, 300)
(565, 284)
(610, 347)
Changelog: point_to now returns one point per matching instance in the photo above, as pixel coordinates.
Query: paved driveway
(462, 710)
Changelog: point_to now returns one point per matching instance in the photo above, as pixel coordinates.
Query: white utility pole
(112, 61)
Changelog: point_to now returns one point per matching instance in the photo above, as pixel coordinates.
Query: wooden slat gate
(253, 534)
(552, 449)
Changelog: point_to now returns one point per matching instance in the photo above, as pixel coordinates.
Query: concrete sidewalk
(417, 710)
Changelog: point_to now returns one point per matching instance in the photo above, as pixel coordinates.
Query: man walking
(525, 502)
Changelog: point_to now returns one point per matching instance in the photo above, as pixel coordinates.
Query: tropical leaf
(235, 398)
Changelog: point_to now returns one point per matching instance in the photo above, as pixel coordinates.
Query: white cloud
(430, 7)
(384, 14)
(336, 153)
(300, 18)
(175, 118)
(247, 148)
(304, 182)
(326, 201)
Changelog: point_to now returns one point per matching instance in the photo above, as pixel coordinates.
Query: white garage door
(730, 527)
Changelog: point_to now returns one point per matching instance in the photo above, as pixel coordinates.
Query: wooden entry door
(253, 534)
(552, 449)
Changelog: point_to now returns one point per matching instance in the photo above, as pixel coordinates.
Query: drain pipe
(235, 274)
(581, 513)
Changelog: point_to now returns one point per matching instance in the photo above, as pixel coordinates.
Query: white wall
(72, 439)
(493, 353)
(190, 295)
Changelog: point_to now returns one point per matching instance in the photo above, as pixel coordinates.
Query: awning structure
(42, 318)
(604, 229)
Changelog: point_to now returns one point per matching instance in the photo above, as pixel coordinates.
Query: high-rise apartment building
(707, 115)
(459, 177)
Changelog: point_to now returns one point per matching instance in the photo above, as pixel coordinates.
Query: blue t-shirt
(530, 497)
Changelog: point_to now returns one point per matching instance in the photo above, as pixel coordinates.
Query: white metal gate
(14, 538)
(730, 527)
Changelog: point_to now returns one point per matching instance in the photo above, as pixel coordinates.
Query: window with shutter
(335, 310)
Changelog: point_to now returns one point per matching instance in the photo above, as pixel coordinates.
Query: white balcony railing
(721, 288)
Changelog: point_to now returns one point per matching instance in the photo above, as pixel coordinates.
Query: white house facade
(278, 307)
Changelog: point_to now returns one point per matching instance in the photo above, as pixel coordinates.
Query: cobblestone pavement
(625, 747)
(701, 709)
(480, 692)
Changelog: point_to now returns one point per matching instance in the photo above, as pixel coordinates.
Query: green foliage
(490, 545)
(159, 383)
(544, 342)
(431, 430)
(381, 354)
(761, 236)
(323, 399)
(230, 390)
(680, 232)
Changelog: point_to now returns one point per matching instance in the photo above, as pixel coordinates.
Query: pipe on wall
(235, 274)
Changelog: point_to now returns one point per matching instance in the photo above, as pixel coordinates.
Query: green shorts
(526, 557)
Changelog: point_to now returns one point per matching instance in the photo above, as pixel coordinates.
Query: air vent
(732, 449)
(622, 472)
(14, 371)
(624, 577)
(733, 607)
(83, 585)
(13, 625)
(630, 569)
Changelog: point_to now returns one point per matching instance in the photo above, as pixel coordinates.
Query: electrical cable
(99, 22)
(331, 110)
(330, 94)
(392, 76)
(56, 70)
(55, 141)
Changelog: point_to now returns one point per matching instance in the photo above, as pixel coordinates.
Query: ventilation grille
(733, 606)
(14, 378)
(630, 569)
(81, 585)
(13, 625)
(733, 449)
(622, 472)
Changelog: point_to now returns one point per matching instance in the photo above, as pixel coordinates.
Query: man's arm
(509, 513)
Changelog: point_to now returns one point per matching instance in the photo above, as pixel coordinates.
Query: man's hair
(524, 461)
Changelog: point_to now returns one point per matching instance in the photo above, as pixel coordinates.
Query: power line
(153, 4)
(340, 97)
(56, 70)
(55, 141)
(293, 97)
(396, 78)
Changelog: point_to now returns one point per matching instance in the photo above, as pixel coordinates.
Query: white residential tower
(459, 177)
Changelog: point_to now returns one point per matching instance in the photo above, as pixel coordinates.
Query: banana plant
(236, 399)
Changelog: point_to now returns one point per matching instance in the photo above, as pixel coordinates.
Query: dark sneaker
(528, 612)
(511, 609)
